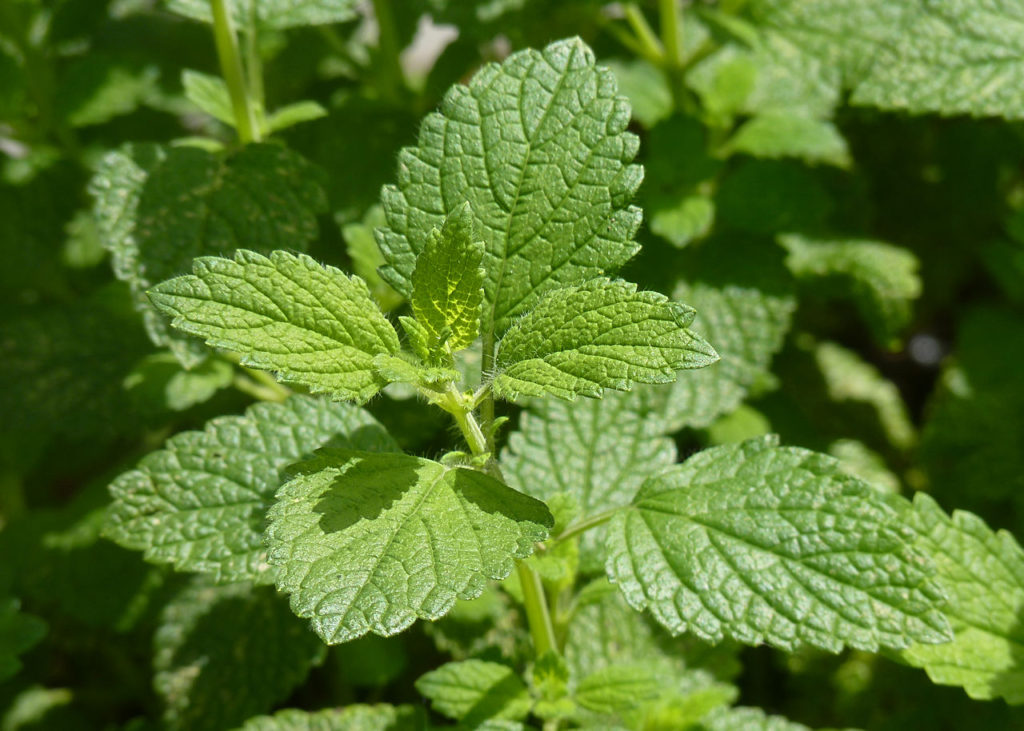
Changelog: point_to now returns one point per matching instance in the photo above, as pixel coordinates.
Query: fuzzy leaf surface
(982, 571)
(200, 503)
(207, 633)
(447, 285)
(369, 542)
(159, 208)
(773, 544)
(538, 148)
(599, 451)
(601, 334)
(355, 717)
(473, 691)
(312, 324)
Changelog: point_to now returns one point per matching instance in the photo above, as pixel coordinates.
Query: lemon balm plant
(584, 400)
(501, 231)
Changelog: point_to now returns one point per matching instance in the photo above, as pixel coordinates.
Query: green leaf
(746, 312)
(210, 94)
(98, 86)
(159, 383)
(356, 717)
(971, 443)
(790, 135)
(207, 633)
(200, 502)
(617, 688)
(982, 573)
(881, 278)
(773, 544)
(447, 286)
(473, 691)
(953, 57)
(646, 88)
(273, 14)
(366, 257)
(312, 324)
(19, 632)
(678, 181)
(293, 114)
(601, 334)
(369, 542)
(747, 719)
(538, 148)
(769, 196)
(944, 56)
(599, 451)
(160, 208)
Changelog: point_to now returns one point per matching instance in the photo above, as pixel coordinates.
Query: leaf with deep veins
(368, 542)
(200, 502)
(312, 324)
(538, 147)
(773, 544)
(600, 334)
(982, 571)
(447, 285)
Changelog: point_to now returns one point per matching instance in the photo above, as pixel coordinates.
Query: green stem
(644, 33)
(671, 23)
(480, 438)
(392, 78)
(538, 617)
(257, 390)
(670, 20)
(583, 526)
(254, 70)
(233, 72)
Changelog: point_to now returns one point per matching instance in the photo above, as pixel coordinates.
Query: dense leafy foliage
(511, 365)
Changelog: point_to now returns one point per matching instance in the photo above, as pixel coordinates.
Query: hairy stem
(233, 72)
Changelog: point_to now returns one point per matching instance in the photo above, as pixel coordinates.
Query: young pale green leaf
(356, 717)
(273, 14)
(18, 633)
(207, 633)
(599, 451)
(369, 542)
(210, 94)
(782, 134)
(882, 278)
(447, 286)
(200, 502)
(293, 114)
(601, 334)
(982, 572)
(538, 148)
(312, 324)
(617, 688)
(773, 544)
(473, 691)
(160, 208)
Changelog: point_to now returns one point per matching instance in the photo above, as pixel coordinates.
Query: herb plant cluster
(521, 364)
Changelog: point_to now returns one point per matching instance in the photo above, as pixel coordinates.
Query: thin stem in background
(233, 72)
(391, 75)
